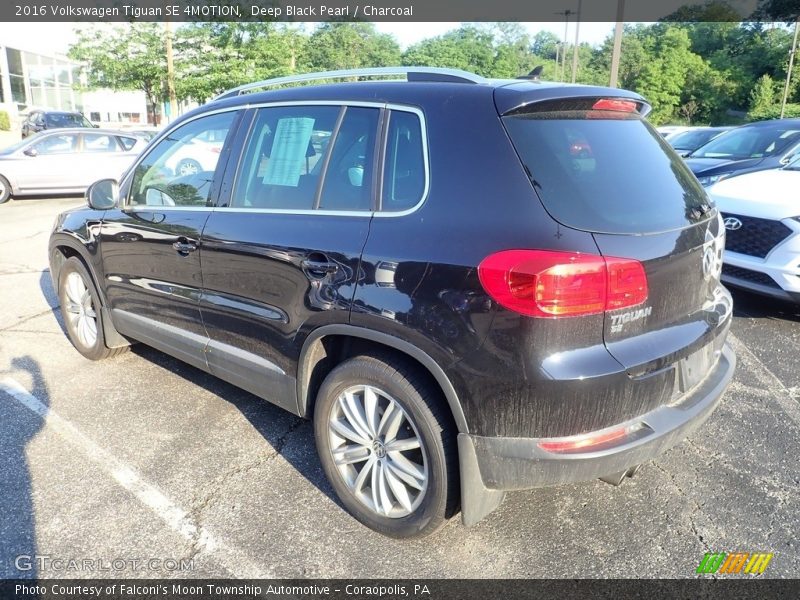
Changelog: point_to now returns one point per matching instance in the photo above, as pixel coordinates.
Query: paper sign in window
(288, 156)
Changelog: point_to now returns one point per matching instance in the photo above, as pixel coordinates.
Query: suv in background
(753, 147)
(40, 120)
(531, 300)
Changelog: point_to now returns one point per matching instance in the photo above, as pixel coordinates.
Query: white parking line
(167, 510)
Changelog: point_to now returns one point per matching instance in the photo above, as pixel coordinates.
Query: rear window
(605, 173)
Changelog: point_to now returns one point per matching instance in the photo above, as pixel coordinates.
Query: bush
(5, 121)
(774, 112)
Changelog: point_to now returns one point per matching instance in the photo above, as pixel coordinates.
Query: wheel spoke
(358, 484)
(406, 470)
(72, 308)
(354, 413)
(403, 445)
(371, 408)
(344, 430)
(374, 485)
(390, 424)
(347, 455)
(398, 489)
(383, 490)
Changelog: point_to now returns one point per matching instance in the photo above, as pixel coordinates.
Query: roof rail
(411, 73)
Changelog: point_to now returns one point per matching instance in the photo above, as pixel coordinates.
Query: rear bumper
(493, 465)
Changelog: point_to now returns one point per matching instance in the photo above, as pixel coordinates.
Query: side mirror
(31, 152)
(95, 125)
(102, 195)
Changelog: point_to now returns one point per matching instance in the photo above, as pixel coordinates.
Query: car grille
(751, 276)
(756, 237)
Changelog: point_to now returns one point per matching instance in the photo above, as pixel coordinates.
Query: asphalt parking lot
(140, 462)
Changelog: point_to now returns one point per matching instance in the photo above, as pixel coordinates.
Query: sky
(55, 38)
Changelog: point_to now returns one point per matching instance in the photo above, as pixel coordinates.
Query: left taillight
(546, 283)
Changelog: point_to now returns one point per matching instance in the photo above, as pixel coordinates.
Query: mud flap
(477, 501)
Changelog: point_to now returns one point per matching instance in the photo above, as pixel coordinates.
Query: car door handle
(319, 268)
(184, 246)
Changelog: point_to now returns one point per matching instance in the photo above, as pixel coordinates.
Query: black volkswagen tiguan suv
(471, 286)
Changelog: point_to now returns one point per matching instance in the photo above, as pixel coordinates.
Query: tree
(129, 57)
(336, 45)
(468, 48)
(762, 97)
(213, 57)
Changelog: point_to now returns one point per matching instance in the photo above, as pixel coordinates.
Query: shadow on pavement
(261, 414)
(20, 426)
(749, 305)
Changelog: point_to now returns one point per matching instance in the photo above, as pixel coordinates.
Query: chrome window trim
(358, 103)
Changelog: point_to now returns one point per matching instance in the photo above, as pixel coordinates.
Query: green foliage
(774, 112)
(349, 46)
(5, 121)
(130, 57)
(689, 71)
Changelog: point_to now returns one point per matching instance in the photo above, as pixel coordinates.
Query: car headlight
(711, 179)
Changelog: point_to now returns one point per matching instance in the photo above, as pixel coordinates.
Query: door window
(180, 170)
(288, 155)
(57, 144)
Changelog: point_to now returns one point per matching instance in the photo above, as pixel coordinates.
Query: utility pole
(792, 52)
(566, 14)
(575, 49)
(615, 53)
(173, 100)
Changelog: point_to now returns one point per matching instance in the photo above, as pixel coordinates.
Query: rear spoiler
(531, 97)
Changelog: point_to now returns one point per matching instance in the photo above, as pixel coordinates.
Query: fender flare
(113, 338)
(385, 339)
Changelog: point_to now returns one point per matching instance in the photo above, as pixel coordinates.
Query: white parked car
(761, 212)
(65, 161)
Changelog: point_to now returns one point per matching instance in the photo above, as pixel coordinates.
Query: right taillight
(546, 283)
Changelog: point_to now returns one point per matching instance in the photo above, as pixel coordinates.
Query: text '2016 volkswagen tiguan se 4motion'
(471, 286)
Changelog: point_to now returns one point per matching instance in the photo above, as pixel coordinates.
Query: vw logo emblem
(732, 223)
(712, 256)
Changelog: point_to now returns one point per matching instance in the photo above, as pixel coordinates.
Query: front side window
(309, 157)
(179, 171)
(404, 169)
(57, 144)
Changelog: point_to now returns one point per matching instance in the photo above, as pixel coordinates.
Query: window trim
(246, 108)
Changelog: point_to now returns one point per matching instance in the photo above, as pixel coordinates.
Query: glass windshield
(692, 139)
(610, 175)
(749, 142)
(66, 120)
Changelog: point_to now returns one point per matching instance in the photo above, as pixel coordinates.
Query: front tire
(387, 445)
(80, 308)
(5, 190)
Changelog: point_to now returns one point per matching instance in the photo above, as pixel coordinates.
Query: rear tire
(5, 190)
(188, 166)
(387, 445)
(80, 308)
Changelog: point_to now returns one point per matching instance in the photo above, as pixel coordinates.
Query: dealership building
(30, 80)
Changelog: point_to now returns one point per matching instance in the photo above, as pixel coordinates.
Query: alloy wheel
(378, 451)
(80, 310)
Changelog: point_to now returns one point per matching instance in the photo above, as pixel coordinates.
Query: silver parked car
(65, 161)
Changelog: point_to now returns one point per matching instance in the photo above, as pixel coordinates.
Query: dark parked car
(753, 147)
(39, 120)
(462, 311)
(687, 142)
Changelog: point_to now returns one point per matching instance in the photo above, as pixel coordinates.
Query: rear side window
(605, 173)
(404, 167)
(750, 142)
(289, 154)
(99, 142)
(126, 142)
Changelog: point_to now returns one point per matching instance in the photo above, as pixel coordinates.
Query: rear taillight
(545, 283)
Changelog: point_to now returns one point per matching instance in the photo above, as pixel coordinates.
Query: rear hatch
(598, 166)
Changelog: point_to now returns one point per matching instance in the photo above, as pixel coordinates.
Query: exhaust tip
(617, 478)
